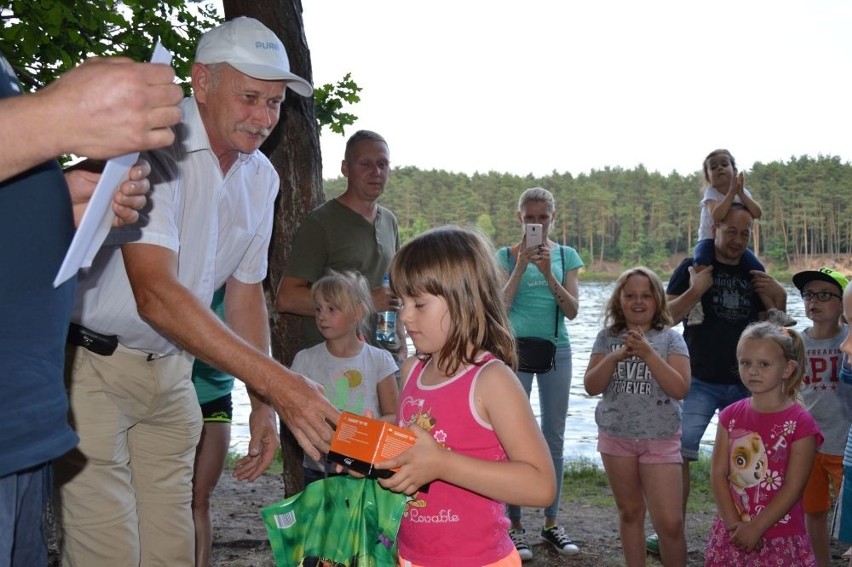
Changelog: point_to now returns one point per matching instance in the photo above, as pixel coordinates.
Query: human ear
(200, 76)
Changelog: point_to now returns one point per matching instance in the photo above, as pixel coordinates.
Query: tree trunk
(294, 150)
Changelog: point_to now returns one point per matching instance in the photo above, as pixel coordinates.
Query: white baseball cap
(251, 48)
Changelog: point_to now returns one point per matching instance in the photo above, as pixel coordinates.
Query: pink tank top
(448, 525)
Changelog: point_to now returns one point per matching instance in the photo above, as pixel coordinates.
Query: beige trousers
(126, 491)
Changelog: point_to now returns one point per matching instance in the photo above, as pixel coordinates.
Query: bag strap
(556, 322)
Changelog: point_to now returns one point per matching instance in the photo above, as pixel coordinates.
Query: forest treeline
(632, 216)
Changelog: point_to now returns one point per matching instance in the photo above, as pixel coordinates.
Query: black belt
(97, 343)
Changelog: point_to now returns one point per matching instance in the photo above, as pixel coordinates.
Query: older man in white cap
(142, 314)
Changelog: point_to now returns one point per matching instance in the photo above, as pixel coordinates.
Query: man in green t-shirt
(351, 232)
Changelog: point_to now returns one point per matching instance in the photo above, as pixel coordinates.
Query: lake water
(580, 428)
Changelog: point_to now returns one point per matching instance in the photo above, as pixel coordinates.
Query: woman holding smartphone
(541, 290)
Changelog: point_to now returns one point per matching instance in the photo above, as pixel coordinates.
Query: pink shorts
(511, 560)
(649, 451)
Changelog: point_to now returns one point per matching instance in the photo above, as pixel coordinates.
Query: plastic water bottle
(386, 322)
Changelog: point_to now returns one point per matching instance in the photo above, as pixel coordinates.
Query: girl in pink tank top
(478, 444)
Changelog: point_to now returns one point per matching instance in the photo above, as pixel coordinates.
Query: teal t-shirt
(211, 383)
(533, 312)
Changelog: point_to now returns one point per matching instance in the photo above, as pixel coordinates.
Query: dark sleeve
(679, 281)
(705, 252)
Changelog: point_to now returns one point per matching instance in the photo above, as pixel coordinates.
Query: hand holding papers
(98, 217)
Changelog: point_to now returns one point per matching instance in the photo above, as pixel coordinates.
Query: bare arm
(719, 479)
(525, 479)
(294, 297)
(751, 205)
(748, 202)
(174, 311)
(600, 370)
(388, 392)
(771, 293)
(567, 295)
(675, 377)
(514, 277)
(672, 374)
(719, 209)
(103, 108)
(699, 283)
(246, 315)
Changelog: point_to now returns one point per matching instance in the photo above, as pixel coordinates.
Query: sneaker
(556, 536)
(696, 315)
(652, 544)
(519, 538)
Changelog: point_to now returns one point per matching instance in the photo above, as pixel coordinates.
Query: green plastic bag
(340, 521)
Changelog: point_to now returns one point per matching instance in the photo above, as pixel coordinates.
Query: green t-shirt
(334, 237)
(533, 312)
(211, 383)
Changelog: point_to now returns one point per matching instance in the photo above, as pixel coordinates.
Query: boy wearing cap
(822, 290)
(142, 315)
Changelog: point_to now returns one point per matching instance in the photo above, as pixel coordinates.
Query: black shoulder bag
(537, 355)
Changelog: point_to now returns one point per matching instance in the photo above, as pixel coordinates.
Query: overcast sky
(544, 85)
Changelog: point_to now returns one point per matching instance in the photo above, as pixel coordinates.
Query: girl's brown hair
(458, 264)
(714, 153)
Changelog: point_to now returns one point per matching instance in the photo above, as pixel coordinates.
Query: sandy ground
(240, 538)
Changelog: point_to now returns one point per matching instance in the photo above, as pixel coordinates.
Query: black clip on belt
(97, 343)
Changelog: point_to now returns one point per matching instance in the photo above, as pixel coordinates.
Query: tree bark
(294, 150)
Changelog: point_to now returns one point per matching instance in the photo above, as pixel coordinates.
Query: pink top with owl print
(448, 525)
(759, 445)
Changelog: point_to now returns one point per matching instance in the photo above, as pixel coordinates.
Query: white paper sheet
(99, 215)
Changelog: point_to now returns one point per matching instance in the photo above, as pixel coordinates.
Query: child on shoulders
(724, 186)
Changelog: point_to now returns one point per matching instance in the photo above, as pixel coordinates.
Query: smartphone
(533, 232)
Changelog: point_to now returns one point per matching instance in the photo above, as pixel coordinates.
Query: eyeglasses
(822, 296)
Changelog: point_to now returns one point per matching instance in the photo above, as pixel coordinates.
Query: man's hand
(262, 444)
(384, 299)
(306, 412)
(108, 107)
(130, 197)
(701, 281)
(769, 290)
